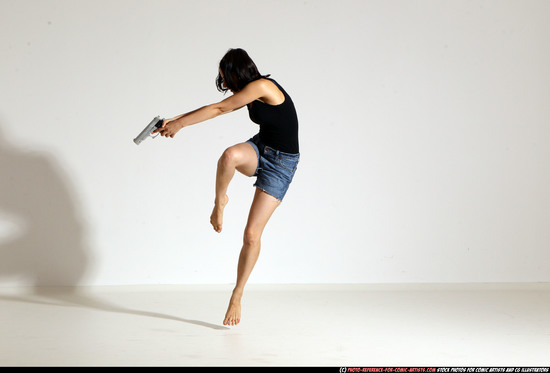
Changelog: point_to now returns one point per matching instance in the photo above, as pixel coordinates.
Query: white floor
(284, 325)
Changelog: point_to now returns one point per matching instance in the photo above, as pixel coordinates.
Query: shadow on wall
(41, 233)
(42, 243)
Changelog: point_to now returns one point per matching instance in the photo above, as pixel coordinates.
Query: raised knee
(229, 157)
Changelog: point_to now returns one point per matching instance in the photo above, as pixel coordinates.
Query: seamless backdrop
(424, 130)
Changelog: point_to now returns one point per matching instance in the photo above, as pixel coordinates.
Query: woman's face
(223, 80)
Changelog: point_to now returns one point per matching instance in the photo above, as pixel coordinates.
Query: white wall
(424, 140)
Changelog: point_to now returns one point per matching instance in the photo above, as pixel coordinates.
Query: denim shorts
(275, 169)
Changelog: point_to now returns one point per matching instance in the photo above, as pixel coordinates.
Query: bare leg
(241, 157)
(261, 210)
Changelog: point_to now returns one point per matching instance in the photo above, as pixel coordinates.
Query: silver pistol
(155, 123)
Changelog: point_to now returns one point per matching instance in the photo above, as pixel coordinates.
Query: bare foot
(233, 314)
(216, 219)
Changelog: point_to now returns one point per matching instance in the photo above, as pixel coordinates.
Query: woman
(272, 155)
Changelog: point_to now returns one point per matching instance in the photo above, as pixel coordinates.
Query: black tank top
(278, 123)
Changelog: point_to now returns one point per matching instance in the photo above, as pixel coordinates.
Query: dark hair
(238, 70)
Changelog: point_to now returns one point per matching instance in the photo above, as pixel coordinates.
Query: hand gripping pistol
(155, 123)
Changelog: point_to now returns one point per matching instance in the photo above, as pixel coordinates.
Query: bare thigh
(244, 158)
(261, 210)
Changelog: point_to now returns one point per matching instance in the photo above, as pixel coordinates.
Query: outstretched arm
(253, 91)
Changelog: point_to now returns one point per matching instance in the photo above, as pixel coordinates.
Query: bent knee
(230, 156)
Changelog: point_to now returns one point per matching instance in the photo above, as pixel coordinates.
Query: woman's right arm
(248, 94)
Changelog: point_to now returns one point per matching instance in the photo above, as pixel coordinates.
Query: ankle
(237, 293)
(221, 201)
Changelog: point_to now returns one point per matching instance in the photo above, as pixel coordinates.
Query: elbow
(220, 108)
(217, 109)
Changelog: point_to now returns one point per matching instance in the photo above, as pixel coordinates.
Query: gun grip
(158, 125)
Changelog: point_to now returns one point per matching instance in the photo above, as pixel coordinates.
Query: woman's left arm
(253, 91)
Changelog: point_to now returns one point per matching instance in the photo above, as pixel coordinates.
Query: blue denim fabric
(275, 169)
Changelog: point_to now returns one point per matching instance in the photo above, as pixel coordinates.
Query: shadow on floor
(67, 297)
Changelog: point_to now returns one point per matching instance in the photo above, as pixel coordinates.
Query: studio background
(424, 129)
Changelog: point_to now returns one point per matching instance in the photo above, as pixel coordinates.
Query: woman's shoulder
(266, 83)
(273, 93)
